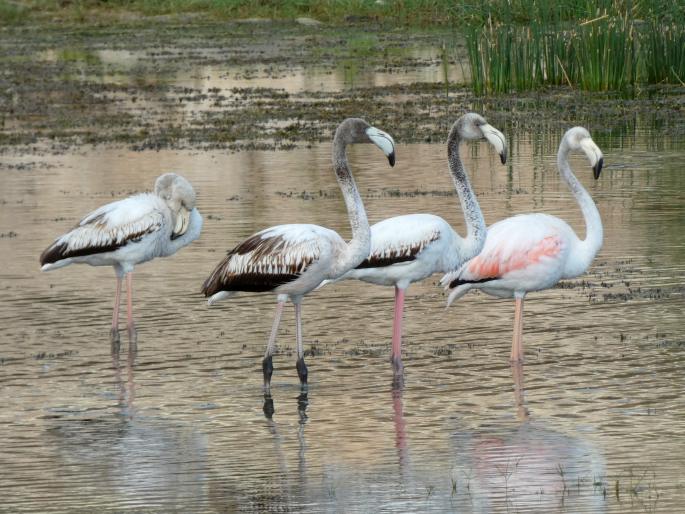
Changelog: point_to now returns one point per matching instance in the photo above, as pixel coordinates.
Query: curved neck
(473, 243)
(593, 223)
(359, 246)
(193, 232)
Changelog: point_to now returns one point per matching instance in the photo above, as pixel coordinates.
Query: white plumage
(292, 260)
(103, 236)
(414, 246)
(409, 248)
(532, 252)
(129, 232)
(288, 260)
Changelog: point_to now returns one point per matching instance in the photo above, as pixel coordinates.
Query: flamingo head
(578, 138)
(179, 195)
(472, 127)
(356, 130)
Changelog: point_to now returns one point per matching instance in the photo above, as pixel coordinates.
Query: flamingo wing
(268, 259)
(109, 228)
(523, 248)
(401, 239)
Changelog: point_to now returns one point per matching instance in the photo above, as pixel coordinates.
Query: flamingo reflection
(529, 464)
(131, 455)
(400, 425)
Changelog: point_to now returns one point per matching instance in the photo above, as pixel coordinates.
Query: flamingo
(532, 252)
(129, 232)
(407, 249)
(292, 260)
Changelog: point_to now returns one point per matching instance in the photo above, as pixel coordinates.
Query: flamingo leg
(519, 391)
(129, 306)
(396, 357)
(267, 363)
(517, 342)
(114, 332)
(301, 366)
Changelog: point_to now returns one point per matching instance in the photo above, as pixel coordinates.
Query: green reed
(608, 53)
(507, 58)
(664, 53)
(606, 56)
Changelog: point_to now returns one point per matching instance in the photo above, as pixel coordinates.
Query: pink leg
(517, 342)
(519, 392)
(129, 304)
(396, 356)
(114, 332)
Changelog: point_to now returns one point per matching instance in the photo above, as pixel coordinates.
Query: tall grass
(606, 56)
(611, 51)
(12, 13)
(664, 53)
(511, 58)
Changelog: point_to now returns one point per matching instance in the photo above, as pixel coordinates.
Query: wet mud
(181, 86)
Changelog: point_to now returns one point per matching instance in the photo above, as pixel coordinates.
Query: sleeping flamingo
(129, 232)
(532, 252)
(292, 260)
(407, 249)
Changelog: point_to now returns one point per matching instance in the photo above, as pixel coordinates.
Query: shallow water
(593, 422)
(422, 63)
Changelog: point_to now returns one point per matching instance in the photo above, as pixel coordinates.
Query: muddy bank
(230, 86)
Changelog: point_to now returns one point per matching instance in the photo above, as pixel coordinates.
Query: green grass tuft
(609, 48)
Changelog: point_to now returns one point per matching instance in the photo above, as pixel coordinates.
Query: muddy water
(420, 63)
(593, 422)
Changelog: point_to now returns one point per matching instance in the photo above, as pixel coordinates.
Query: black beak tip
(597, 169)
(503, 157)
(391, 159)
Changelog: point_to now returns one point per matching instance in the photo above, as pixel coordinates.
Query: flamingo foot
(132, 332)
(397, 382)
(397, 365)
(267, 370)
(133, 347)
(268, 406)
(302, 403)
(115, 340)
(302, 372)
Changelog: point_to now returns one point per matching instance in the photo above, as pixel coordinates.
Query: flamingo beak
(384, 141)
(182, 223)
(496, 139)
(594, 155)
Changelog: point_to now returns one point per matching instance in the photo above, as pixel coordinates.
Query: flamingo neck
(359, 246)
(594, 232)
(473, 243)
(171, 246)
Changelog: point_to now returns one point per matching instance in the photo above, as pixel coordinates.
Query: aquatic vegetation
(664, 53)
(608, 53)
(12, 13)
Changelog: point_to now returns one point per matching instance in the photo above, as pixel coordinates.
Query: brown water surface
(593, 422)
